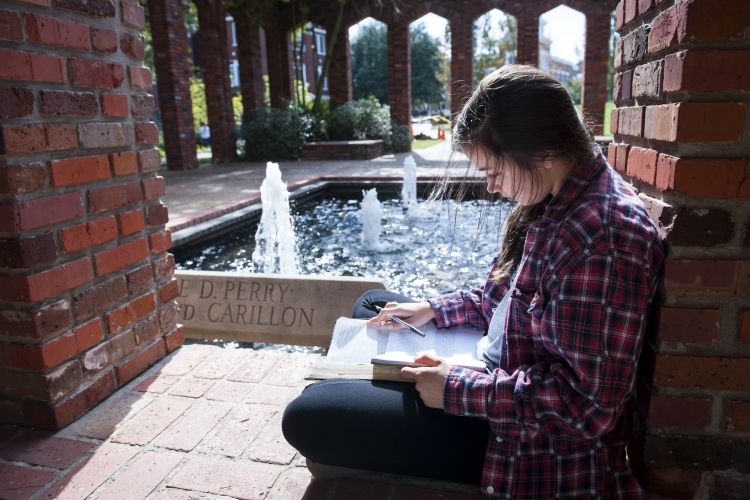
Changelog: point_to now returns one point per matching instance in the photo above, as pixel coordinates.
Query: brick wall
(86, 288)
(682, 137)
(251, 67)
(399, 70)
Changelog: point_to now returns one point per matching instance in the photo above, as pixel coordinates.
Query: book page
(456, 345)
(354, 342)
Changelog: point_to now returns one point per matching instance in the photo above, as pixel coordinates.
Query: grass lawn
(417, 144)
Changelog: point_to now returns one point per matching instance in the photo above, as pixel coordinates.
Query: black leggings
(384, 426)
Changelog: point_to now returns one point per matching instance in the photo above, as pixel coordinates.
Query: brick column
(212, 34)
(462, 60)
(173, 83)
(527, 46)
(595, 62)
(399, 70)
(681, 137)
(340, 69)
(251, 71)
(86, 288)
(279, 56)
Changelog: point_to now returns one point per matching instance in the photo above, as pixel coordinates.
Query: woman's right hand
(414, 313)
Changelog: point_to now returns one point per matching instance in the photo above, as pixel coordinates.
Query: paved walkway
(202, 423)
(197, 195)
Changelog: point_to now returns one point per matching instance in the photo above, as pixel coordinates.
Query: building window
(320, 43)
(304, 73)
(234, 34)
(234, 73)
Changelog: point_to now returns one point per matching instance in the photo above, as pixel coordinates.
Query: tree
(613, 37)
(370, 63)
(426, 87)
(492, 51)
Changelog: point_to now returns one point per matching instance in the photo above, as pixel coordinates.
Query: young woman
(565, 306)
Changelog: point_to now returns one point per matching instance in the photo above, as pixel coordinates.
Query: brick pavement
(203, 423)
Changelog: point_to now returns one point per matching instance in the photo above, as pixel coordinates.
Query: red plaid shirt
(560, 402)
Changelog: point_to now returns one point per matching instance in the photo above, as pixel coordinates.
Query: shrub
(399, 139)
(360, 119)
(275, 134)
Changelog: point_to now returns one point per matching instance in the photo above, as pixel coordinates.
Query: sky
(565, 27)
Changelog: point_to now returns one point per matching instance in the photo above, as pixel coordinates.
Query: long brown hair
(519, 116)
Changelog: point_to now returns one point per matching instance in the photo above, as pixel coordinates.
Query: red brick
(146, 331)
(44, 387)
(676, 324)
(17, 179)
(702, 178)
(143, 107)
(31, 66)
(39, 213)
(96, 8)
(168, 291)
(154, 188)
(164, 267)
(670, 482)
(42, 357)
(647, 80)
(11, 26)
(27, 253)
(124, 163)
(54, 31)
(160, 242)
(150, 160)
(61, 136)
(131, 222)
(133, 45)
(147, 133)
(46, 284)
(100, 297)
(128, 253)
(88, 334)
(16, 139)
(57, 416)
(642, 164)
(630, 10)
(663, 34)
(82, 236)
(79, 170)
(695, 122)
(149, 423)
(745, 327)
(115, 104)
(38, 323)
(187, 359)
(142, 476)
(191, 388)
(18, 483)
(140, 279)
(136, 365)
(687, 372)
(174, 339)
(631, 121)
(157, 215)
(687, 413)
(105, 135)
(133, 15)
(714, 278)
(140, 77)
(15, 102)
(116, 348)
(621, 157)
(614, 117)
(712, 20)
(89, 475)
(237, 432)
(131, 312)
(57, 102)
(90, 73)
(104, 40)
(48, 451)
(611, 154)
(645, 6)
(738, 416)
(113, 197)
(235, 479)
(168, 317)
(707, 70)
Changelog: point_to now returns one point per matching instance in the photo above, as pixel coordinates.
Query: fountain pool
(427, 251)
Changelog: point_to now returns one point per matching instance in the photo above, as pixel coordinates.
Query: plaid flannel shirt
(560, 402)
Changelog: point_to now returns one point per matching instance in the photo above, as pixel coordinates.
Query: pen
(404, 323)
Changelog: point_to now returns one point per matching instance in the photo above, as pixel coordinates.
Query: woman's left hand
(430, 379)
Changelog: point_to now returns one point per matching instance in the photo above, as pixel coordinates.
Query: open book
(355, 342)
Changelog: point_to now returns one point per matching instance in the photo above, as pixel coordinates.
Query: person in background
(205, 133)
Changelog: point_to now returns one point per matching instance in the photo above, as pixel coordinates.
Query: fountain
(409, 190)
(372, 213)
(275, 243)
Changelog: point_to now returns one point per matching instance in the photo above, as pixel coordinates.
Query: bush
(360, 119)
(399, 139)
(275, 134)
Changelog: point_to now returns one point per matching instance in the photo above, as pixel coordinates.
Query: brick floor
(147, 443)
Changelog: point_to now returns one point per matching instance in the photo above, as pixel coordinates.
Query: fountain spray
(409, 190)
(275, 243)
(372, 212)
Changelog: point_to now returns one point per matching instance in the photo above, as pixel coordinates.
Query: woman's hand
(430, 379)
(414, 313)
